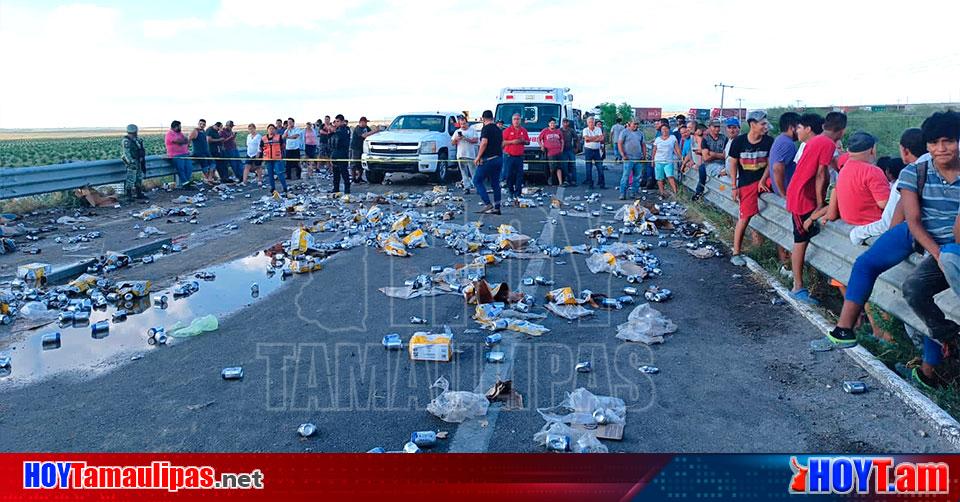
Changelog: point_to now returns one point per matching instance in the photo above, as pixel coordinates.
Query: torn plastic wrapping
(456, 406)
(570, 312)
(607, 262)
(578, 408)
(196, 327)
(645, 325)
(580, 441)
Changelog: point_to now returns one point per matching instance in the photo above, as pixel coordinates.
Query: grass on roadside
(901, 351)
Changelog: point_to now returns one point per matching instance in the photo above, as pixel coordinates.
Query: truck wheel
(375, 176)
(440, 176)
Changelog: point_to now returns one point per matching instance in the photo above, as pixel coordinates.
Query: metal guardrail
(24, 181)
(830, 252)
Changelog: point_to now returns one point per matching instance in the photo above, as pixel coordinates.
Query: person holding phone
(466, 139)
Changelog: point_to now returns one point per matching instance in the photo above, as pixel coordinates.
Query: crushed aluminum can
(655, 294)
(100, 329)
(493, 339)
(411, 447)
(120, 316)
(160, 301)
(600, 417)
(306, 430)
(113, 297)
(542, 281)
(436, 269)
(417, 320)
(50, 341)
(650, 370)
(528, 281)
(584, 367)
(557, 442)
(634, 279)
(392, 341)
(499, 324)
(5, 319)
(232, 373)
(495, 357)
(156, 329)
(625, 299)
(854, 387)
(147, 259)
(521, 307)
(376, 449)
(424, 439)
(4, 361)
(611, 303)
(630, 290)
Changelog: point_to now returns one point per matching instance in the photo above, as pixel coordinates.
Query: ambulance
(536, 106)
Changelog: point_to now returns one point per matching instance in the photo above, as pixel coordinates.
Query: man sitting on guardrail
(712, 149)
(749, 156)
(134, 157)
(807, 193)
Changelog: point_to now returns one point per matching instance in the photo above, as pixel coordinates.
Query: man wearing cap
(862, 191)
(230, 150)
(749, 157)
(340, 150)
(134, 157)
(712, 151)
(292, 141)
(733, 130)
(360, 133)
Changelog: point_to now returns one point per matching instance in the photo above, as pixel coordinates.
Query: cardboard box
(34, 272)
(426, 346)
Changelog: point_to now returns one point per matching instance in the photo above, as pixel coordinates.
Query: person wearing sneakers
(930, 198)
(272, 147)
(807, 193)
(666, 154)
(749, 157)
(466, 138)
(633, 151)
(489, 162)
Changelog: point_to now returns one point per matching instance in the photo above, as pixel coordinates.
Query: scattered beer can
(424, 439)
(600, 417)
(392, 341)
(81, 317)
(542, 281)
(854, 387)
(50, 341)
(495, 357)
(4, 361)
(100, 329)
(634, 279)
(411, 447)
(5, 319)
(650, 370)
(306, 430)
(376, 449)
(584, 367)
(528, 281)
(630, 290)
(557, 442)
(417, 320)
(160, 301)
(119, 316)
(147, 259)
(232, 373)
(493, 339)
(436, 269)
(625, 299)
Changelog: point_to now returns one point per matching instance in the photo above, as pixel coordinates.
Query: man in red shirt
(515, 138)
(862, 188)
(551, 142)
(178, 147)
(807, 193)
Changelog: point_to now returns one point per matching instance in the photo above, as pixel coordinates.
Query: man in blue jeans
(569, 156)
(592, 142)
(515, 140)
(488, 162)
(633, 150)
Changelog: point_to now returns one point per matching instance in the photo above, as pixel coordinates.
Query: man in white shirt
(615, 133)
(592, 141)
(254, 156)
(466, 139)
(293, 143)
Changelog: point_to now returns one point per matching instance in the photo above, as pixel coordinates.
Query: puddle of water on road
(80, 351)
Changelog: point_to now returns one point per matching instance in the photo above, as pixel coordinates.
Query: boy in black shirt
(749, 156)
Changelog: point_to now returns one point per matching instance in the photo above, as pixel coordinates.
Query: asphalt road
(736, 377)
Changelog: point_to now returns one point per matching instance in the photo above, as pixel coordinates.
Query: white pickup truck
(413, 143)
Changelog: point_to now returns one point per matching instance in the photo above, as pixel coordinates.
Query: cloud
(306, 14)
(170, 28)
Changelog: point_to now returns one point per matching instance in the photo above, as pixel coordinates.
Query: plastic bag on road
(570, 312)
(37, 311)
(581, 441)
(198, 326)
(579, 405)
(646, 325)
(456, 406)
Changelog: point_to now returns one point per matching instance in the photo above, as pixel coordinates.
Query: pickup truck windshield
(434, 123)
(535, 115)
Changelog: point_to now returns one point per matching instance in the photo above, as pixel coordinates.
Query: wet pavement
(84, 352)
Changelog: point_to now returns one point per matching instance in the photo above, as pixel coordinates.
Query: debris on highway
(456, 406)
(645, 324)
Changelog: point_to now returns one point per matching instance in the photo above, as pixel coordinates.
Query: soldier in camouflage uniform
(133, 156)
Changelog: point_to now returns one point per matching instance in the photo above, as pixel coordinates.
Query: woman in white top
(253, 156)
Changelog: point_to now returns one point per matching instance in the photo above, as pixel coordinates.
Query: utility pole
(723, 87)
(740, 108)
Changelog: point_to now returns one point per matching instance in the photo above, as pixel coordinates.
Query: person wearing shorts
(254, 156)
(666, 154)
(749, 157)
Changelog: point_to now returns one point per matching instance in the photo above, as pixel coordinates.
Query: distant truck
(701, 114)
(536, 106)
(413, 143)
(647, 114)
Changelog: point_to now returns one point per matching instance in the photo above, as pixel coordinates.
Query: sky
(109, 63)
